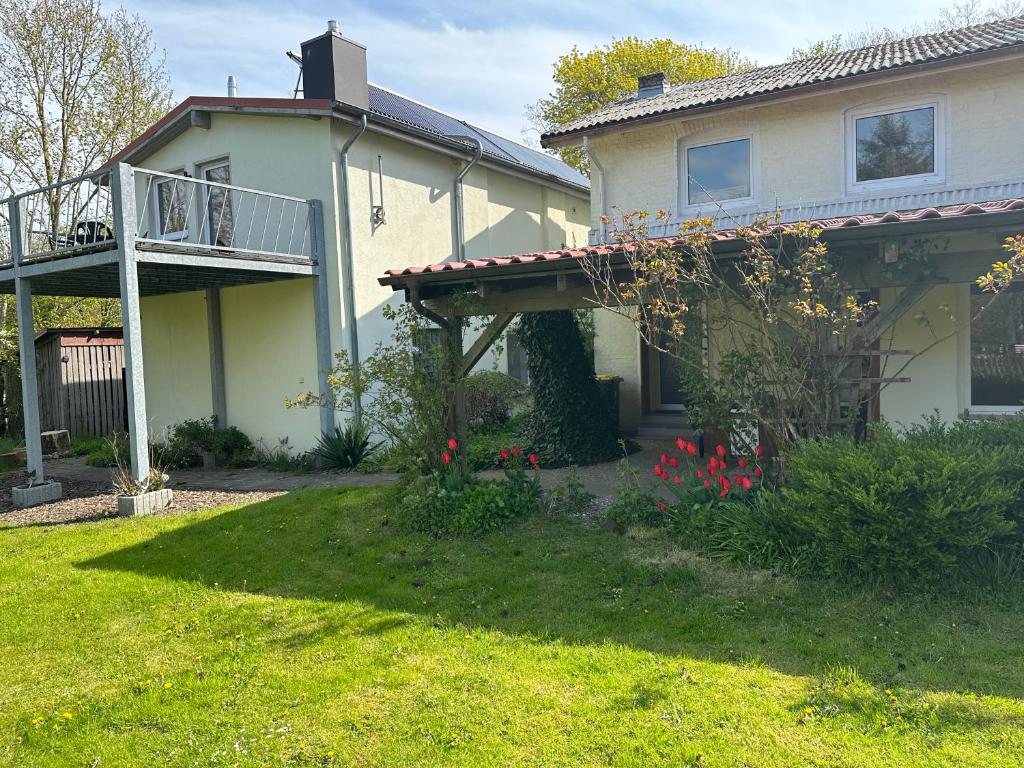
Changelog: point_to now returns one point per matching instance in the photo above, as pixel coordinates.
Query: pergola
(962, 241)
(107, 235)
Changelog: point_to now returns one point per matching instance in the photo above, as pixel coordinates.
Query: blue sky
(482, 62)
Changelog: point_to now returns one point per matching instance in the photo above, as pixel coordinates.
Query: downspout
(600, 179)
(459, 209)
(347, 262)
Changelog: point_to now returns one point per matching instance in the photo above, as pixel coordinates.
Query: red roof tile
(724, 235)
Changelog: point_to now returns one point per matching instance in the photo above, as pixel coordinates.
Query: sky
(482, 62)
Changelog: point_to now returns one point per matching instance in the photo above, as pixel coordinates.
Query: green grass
(309, 630)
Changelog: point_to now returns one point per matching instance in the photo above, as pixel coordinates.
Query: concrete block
(56, 441)
(144, 503)
(33, 495)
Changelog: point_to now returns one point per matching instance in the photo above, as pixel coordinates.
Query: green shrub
(345, 448)
(232, 447)
(896, 508)
(188, 440)
(279, 458)
(452, 500)
(633, 502)
(484, 444)
(491, 398)
(83, 445)
(477, 507)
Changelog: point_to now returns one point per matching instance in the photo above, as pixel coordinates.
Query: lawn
(310, 630)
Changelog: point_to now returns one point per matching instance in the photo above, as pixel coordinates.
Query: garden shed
(81, 380)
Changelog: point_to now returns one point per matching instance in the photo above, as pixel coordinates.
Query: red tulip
(673, 462)
(691, 449)
(707, 483)
(663, 506)
(724, 492)
(677, 480)
(720, 450)
(517, 452)
(742, 463)
(664, 458)
(746, 483)
(757, 471)
(446, 457)
(657, 469)
(758, 450)
(680, 444)
(700, 473)
(534, 460)
(453, 444)
(712, 463)
(504, 454)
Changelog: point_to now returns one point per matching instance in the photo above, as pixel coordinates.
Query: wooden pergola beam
(490, 334)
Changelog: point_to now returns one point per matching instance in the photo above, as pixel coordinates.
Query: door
(670, 365)
(220, 219)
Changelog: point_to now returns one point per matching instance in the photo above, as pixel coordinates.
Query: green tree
(587, 80)
(76, 85)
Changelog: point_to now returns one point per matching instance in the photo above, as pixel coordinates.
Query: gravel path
(86, 500)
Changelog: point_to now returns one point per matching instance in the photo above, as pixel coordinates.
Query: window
(717, 173)
(895, 147)
(997, 350)
(172, 209)
(220, 228)
(428, 350)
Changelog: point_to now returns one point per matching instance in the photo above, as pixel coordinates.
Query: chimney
(651, 85)
(232, 86)
(334, 67)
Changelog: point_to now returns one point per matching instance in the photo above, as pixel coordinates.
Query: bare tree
(76, 85)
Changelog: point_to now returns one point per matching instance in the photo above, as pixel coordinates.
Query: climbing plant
(571, 422)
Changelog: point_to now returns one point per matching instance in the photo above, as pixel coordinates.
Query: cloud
(482, 62)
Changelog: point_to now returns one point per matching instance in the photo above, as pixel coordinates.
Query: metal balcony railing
(184, 211)
(171, 213)
(65, 217)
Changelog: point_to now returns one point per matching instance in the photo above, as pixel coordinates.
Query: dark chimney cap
(651, 85)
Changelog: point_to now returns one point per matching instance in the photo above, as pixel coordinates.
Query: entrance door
(668, 368)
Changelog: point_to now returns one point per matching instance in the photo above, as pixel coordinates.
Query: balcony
(126, 232)
(180, 231)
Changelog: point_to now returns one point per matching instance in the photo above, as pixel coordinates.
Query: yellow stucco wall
(936, 376)
(268, 330)
(799, 146)
(269, 355)
(617, 352)
(176, 359)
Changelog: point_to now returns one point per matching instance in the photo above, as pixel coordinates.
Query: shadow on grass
(552, 578)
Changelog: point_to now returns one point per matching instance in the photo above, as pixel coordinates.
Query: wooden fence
(81, 380)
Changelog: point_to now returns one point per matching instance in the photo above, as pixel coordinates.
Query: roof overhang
(195, 112)
(996, 220)
(572, 137)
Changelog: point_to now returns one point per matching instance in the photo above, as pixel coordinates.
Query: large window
(997, 350)
(895, 146)
(718, 173)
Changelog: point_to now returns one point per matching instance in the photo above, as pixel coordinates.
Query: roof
(940, 48)
(384, 104)
(413, 113)
(962, 210)
(92, 334)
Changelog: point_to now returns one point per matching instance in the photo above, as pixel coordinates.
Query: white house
(813, 140)
(245, 235)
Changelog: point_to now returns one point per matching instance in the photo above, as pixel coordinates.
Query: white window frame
(938, 174)
(966, 377)
(683, 188)
(156, 223)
